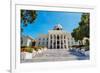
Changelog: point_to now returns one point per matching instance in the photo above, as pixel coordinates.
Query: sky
(46, 20)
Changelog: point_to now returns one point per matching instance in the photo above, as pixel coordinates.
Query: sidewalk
(53, 55)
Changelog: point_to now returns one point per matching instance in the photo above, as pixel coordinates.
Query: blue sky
(46, 20)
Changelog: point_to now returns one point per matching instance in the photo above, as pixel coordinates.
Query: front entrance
(58, 46)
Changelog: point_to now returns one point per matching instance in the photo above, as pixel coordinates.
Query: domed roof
(58, 27)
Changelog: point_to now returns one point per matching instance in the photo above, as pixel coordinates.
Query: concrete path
(52, 55)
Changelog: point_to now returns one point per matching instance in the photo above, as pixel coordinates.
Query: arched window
(65, 46)
(50, 46)
(57, 36)
(51, 36)
(57, 46)
(64, 41)
(51, 41)
(57, 42)
(64, 37)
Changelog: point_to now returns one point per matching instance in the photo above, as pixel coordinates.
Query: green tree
(77, 34)
(87, 44)
(84, 24)
(27, 17)
(83, 29)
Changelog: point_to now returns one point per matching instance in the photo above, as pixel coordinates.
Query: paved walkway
(53, 55)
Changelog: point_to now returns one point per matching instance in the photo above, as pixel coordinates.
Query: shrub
(23, 46)
(30, 50)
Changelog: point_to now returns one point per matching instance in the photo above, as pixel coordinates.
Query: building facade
(26, 41)
(56, 38)
(42, 40)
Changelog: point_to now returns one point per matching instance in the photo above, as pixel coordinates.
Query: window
(72, 43)
(39, 43)
(51, 46)
(54, 46)
(42, 43)
(51, 36)
(61, 46)
(64, 37)
(51, 41)
(39, 38)
(68, 39)
(57, 36)
(43, 38)
(64, 41)
(57, 42)
(54, 43)
(65, 46)
(57, 46)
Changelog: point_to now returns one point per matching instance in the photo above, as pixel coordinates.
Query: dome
(58, 27)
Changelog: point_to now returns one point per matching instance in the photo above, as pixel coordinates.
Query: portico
(57, 38)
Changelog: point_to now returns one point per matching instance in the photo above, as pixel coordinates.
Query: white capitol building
(56, 38)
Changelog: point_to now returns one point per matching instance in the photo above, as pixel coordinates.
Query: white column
(60, 41)
(56, 41)
(63, 42)
(67, 43)
(49, 41)
(52, 41)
